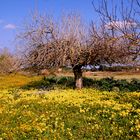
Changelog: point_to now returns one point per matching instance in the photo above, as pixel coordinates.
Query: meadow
(65, 113)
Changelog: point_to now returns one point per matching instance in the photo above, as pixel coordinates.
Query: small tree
(8, 62)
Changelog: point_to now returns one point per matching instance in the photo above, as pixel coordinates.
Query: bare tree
(49, 43)
(110, 49)
(121, 24)
(8, 62)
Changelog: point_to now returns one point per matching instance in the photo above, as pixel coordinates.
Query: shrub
(107, 84)
(135, 85)
(123, 85)
(88, 82)
(66, 82)
(44, 83)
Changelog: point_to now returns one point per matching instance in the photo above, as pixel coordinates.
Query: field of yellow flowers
(62, 114)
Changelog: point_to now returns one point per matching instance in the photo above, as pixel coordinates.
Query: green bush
(88, 82)
(107, 84)
(65, 82)
(44, 83)
(135, 85)
(110, 84)
(123, 85)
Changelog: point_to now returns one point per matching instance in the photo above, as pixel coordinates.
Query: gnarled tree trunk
(78, 76)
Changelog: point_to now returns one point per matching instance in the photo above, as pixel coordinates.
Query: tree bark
(78, 77)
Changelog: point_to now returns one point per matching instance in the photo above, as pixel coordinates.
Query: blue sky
(14, 12)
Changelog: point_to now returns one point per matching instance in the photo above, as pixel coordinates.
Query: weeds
(69, 114)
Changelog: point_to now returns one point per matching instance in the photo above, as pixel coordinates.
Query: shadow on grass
(107, 84)
(48, 83)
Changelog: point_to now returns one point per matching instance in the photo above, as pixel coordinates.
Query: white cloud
(120, 24)
(9, 26)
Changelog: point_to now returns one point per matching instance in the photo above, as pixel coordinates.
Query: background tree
(122, 23)
(8, 62)
(111, 49)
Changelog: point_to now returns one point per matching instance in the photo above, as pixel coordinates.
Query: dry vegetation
(116, 75)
